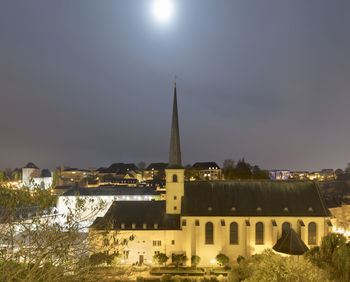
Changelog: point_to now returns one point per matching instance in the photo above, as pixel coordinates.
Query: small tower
(174, 173)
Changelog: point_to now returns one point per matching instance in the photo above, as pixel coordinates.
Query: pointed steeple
(175, 152)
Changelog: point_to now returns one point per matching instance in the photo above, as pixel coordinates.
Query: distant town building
(155, 171)
(32, 177)
(277, 174)
(207, 171)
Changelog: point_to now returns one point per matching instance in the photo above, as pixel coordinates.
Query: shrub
(222, 259)
(195, 260)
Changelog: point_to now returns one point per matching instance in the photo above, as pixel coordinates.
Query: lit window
(156, 226)
(133, 226)
(144, 226)
(122, 226)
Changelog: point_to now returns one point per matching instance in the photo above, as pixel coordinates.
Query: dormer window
(156, 226)
(122, 226)
(133, 226)
(210, 209)
(258, 209)
(144, 226)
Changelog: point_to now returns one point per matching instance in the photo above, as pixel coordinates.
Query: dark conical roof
(30, 165)
(291, 244)
(175, 152)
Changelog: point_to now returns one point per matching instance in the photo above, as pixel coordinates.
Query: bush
(269, 266)
(195, 260)
(222, 259)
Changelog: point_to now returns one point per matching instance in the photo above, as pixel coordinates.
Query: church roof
(253, 198)
(138, 215)
(175, 151)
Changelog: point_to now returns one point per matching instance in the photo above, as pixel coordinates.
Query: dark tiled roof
(45, 173)
(75, 169)
(253, 198)
(111, 190)
(157, 166)
(30, 165)
(119, 168)
(138, 213)
(205, 165)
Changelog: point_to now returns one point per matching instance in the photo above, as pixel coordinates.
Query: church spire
(175, 152)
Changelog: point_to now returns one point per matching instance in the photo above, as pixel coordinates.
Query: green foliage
(195, 260)
(269, 266)
(160, 258)
(178, 259)
(243, 170)
(222, 259)
(333, 255)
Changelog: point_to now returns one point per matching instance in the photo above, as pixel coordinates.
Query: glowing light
(122, 261)
(162, 9)
(149, 261)
(213, 261)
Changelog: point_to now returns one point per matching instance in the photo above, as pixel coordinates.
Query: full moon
(162, 9)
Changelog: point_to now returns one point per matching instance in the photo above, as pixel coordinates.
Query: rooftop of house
(157, 166)
(30, 165)
(205, 165)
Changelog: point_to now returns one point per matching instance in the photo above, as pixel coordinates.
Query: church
(205, 218)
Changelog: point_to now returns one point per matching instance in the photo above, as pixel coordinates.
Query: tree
(178, 259)
(39, 244)
(195, 260)
(160, 258)
(228, 168)
(222, 259)
(243, 170)
(347, 169)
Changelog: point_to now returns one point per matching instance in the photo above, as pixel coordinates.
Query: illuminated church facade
(205, 218)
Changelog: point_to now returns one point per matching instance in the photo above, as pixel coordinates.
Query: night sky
(87, 83)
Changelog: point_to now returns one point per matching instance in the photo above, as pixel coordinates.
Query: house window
(122, 226)
(233, 233)
(197, 222)
(285, 227)
(156, 226)
(133, 226)
(312, 233)
(174, 178)
(259, 233)
(154, 243)
(173, 242)
(175, 197)
(144, 226)
(175, 208)
(223, 222)
(184, 222)
(209, 233)
(159, 243)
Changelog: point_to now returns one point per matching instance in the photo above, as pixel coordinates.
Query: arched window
(209, 233)
(312, 233)
(259, 233)
(174, 178)
(285, 227)
(233, 233)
